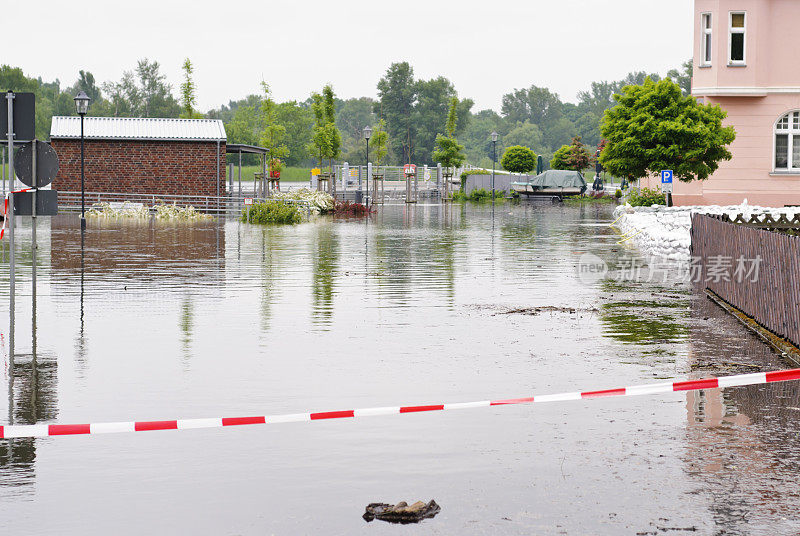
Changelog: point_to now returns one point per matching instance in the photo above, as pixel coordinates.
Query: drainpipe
(218, 146)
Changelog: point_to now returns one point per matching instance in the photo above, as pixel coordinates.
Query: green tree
(298, 119)
(574, 156)
(188, 97)
(537, 105)
(525, 134)
(448, 151)
(272, 132)
(155, 92)
(683, 76)
(326, 138)
(397, 93)
(654, 127)
(518, 159)
(380, 143)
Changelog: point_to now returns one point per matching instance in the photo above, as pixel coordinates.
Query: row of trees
(410, 113)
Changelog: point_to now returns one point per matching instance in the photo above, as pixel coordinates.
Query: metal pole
(240, 175)
(12, 263)
(366, 198)
(34, 183)
(10, 102)
(494, 157)
(83, 183)
(4, 172)
(217, 171)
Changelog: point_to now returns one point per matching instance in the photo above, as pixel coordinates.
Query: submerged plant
(346, 208)
(272, 211)
(319, 202)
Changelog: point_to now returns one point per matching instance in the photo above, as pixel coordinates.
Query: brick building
(141, 155)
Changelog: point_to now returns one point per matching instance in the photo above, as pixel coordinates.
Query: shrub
(459, 196)
(482, 194)
(644, 197)
(346, 208)
(518, 159)
(272, 211)
(618, 193)
(574, 156)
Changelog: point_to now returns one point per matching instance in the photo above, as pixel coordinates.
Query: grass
(288, 174)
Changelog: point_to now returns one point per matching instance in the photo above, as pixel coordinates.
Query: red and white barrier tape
(5, 210)
(45, 430)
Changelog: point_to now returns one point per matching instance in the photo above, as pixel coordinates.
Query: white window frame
(706, 39)
(731, 31)
(791, 132)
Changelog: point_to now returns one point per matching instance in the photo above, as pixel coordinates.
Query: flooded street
(422, 304)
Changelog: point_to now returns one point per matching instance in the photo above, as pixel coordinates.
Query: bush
(618, 193)
(272, 211)
(644, 197)
(483, 194)
(459, 196)
(346, 208)
(518, 159)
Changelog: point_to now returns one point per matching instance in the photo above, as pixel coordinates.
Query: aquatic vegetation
(272, 211)
(118, 210)
(319, 202)
(175, 212)
(478, 196)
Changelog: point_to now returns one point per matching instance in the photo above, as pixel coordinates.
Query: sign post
(666, 185)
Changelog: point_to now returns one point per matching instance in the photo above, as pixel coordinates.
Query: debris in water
(401, 512)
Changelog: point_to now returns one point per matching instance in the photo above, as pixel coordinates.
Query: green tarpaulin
(556, 178)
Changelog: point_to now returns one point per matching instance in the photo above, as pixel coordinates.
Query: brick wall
(154, 167)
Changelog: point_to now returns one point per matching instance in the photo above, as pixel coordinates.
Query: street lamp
(494, 159)
(367, 135)
(82, 105)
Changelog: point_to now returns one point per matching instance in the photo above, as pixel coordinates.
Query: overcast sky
(486, 48)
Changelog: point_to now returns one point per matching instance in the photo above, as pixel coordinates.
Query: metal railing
(229, 205)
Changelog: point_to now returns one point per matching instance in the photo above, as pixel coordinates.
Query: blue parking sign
(666, 176)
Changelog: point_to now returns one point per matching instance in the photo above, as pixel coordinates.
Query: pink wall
(755, 96)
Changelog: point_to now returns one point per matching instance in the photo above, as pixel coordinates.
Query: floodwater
(158, 321)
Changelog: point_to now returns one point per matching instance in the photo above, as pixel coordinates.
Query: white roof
(138, 128)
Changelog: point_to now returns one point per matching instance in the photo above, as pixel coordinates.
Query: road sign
(46, 164)
(666, 181)
(24, 117)
(409, 169)
(46, 203)
(248, 200)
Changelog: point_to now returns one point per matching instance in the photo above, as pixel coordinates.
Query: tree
(272, 132)
(298, 119)
(574, 156)
(380, 143)
(655, 127)
(188, 98)
(525, 134)
(326, 139)
(518, 159)
(87, 84)
(397, 93)
(448, 151)
(535, 105)
(683, 77)
(156, 94)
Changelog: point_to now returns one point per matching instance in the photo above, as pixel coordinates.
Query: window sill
(707, 66)
(737, 65)
(786, 173)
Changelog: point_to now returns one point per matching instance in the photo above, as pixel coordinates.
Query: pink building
(747, 60)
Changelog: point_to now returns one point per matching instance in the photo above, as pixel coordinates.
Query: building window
(787, 142)
(736, 40)
(705, 39)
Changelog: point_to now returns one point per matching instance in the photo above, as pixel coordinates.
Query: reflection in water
(32, 397)
(186, 324)
(743, 443)
(645, 322)
(325, 257)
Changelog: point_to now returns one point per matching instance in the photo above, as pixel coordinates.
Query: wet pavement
(419, 305)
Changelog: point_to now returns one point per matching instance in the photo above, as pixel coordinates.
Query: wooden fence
(772, 295)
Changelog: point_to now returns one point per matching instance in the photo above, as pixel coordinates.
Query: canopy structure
(240, 149)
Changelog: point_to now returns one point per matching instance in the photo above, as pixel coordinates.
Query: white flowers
(320, 202)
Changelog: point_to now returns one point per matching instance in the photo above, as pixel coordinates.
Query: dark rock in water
(401, 512)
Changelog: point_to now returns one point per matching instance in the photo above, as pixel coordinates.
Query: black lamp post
(494, 159)
(367, 135)
(82, 105)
